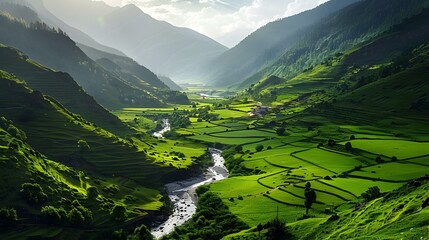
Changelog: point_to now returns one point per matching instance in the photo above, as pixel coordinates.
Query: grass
(328, 160)
(394, 171)
(399, 148)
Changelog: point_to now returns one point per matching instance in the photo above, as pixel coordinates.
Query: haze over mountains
(160, 46)
(320, 116)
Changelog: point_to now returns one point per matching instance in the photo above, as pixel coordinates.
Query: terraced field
(287, 162)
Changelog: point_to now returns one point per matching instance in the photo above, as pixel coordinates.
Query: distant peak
(132, 7)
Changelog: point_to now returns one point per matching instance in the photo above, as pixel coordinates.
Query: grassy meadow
(277, 173)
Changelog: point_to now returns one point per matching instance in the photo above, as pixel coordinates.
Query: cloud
(225, 21)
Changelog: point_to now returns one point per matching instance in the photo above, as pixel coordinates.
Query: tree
(259, 148)
(371, 193)
(348, 146)
(92, 192)
(310, 197)
(238, 148)
(8, 218)
(119, 213)
(276, 229)
(259, 228)
(75, 217)
(83, 146)
(143, 232)
(281, 131)
(331, 142)
(33, 193)
(51, 215)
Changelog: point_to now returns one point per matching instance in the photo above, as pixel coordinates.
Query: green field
(398, 148)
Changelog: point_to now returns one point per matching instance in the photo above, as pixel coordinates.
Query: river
(182, 193)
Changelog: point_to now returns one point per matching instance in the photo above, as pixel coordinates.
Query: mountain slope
(339, 32)
(75, 34)
(358, 67)
(135, 74)
(264, 45)
(55, 50)
(61, 86)
(398, 215)
(56, 132)
(163, 48)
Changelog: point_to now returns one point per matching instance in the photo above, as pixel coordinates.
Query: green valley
(318, 133)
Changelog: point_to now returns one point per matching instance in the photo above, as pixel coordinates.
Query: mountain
(401, 212)
(336, 33)
(55, 132)
(265, 45)
(61, 86)
(135, 74)
(383, 55)
(75, 34)
(61, 175)
(160, 46)
(170, 83)
(56, 50)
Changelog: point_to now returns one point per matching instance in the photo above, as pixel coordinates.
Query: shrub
(87, 214)
(92, 192)
(371, 193)
(238, 148)
(83, 146)
(378, 159)
(348, 146)
(331, 142)
(75, 217)
(143, 233)
(259, 148)
(51, 215)
(352, 137)
(118, 213)
(281, 131)
(202, 189)
(8, 218)
(33, 193)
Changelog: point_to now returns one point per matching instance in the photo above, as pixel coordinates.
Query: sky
(226, 21)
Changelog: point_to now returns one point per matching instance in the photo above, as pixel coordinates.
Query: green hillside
(61, 86)
(135, 74)
(30, 183)
(383, 55)
(265, 45)
(398, 215)
(56, 132)
(337, 33)
(49, 47)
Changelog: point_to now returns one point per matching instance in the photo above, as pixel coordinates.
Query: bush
(83, 146)
(51, 215)
(92, 192)
(75, 217)
(8, 218)
(119, 213)
(371, 193)
(348, 146)
(238, 148)
(259, 148)
(33, 193)
(352, 137)
(143, 233)
(202, 189)
(281, 131)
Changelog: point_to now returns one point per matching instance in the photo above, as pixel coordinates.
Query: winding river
(182, 193)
